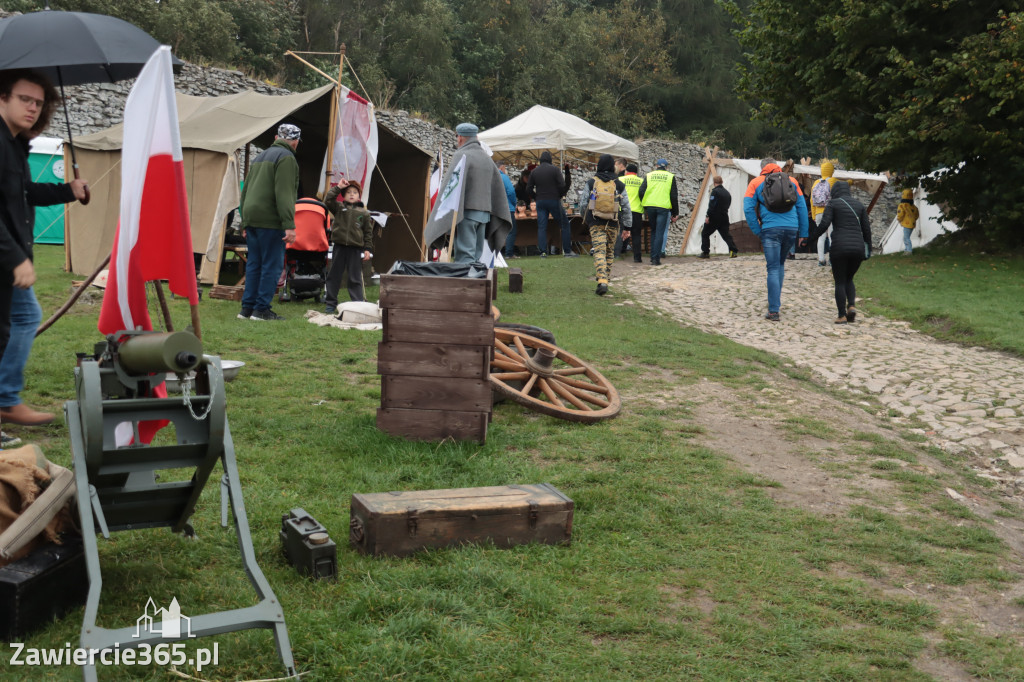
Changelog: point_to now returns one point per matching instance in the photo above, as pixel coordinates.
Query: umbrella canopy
(539, 129)
(74, 48)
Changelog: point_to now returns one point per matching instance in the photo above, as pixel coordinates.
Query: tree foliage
(931, 89)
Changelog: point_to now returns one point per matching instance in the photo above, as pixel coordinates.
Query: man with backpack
(776, 212)
(608, 203)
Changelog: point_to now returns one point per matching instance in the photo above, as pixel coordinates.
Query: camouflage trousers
(602, 238)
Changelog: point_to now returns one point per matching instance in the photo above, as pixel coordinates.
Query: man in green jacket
(268, 220)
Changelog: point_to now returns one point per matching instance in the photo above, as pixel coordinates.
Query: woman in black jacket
(851, 244)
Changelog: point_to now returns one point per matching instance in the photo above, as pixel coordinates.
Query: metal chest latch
(412, 519)
(533, 513)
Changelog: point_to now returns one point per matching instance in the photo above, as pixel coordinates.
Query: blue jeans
(660, 218)
(907, 246)
(263, 266)
(776, 243)
(469, 241)
(554, 207)
(25, 318)
(510, 240)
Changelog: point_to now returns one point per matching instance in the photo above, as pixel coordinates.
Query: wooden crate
(433, 425)
(401, 523)
(434, 357)
(227, 293)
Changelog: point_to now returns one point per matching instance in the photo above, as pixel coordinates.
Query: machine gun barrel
(177, 352)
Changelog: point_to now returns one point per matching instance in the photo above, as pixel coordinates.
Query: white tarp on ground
(929, 225)
(539, 129)
(737, 174)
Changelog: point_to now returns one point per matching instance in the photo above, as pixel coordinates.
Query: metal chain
(186, 394)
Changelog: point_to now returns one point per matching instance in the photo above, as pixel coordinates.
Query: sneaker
(8, 441)
(330, 309)
(573, 255)
(733, 254)
(245, 314)
(851, 314)
(792, 256)
(543, 255)
(772, 317)
(841, 320)
(602, 289)
(821, 263)
(704, 255)
(265, 315)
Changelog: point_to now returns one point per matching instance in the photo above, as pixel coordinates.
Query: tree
(913, 87)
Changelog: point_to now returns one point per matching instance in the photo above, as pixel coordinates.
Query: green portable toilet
(46, 162)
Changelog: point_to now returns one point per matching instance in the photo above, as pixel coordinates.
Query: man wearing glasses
(27, 101)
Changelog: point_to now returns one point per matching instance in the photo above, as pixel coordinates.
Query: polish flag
(355, 141)
(154, 239)
(435, 178)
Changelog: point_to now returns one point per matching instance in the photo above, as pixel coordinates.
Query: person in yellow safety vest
(627, 173)
(827, 170)
(907, 215)
(661, 199)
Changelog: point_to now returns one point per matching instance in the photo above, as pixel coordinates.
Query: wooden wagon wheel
(554, 382)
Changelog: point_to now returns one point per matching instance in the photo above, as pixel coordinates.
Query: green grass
(944, 290)
(682, 566)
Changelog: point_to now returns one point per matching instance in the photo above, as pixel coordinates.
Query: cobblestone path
(968, 397)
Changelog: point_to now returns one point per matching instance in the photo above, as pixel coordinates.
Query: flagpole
(333, 125)
(451, 238)
(168, 322)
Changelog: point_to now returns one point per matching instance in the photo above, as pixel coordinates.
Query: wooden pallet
(226, 293)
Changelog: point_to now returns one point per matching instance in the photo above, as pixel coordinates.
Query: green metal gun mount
(115, 471)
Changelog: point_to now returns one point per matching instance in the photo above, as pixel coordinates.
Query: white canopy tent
(929, 225)
(737, 174)
(522, 139)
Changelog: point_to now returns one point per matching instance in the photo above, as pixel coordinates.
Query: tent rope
(98, 180)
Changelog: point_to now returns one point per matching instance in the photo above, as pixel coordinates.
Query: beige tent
(213, 130)
(522, 139)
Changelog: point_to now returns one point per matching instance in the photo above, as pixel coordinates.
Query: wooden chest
(434, 358)
(41, 587)
(401, 523)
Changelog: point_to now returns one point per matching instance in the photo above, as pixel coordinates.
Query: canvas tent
(522, 139)
(46, 162)
(929, 225)
(213, 129)
(737, 174)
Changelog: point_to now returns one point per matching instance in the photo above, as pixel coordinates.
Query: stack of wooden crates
(434, 358)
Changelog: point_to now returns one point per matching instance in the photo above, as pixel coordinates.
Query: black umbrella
(75, 48)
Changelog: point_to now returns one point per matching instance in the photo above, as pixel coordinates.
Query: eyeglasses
(28, 100)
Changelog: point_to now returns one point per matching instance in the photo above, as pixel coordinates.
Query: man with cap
(485, 216)
(268, 220)
(660, 198)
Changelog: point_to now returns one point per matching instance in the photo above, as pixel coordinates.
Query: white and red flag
(435, 177)
(355, 141)
(154, 238)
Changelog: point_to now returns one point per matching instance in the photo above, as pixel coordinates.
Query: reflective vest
(632, 183)
(659, 186)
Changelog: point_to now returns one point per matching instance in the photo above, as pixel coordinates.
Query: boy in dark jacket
(352, 237)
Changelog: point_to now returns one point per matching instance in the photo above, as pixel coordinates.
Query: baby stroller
(305, 260)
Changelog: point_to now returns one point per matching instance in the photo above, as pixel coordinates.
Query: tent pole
(874, 199)
(700, 195)
(168, 322)
(333, 125)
